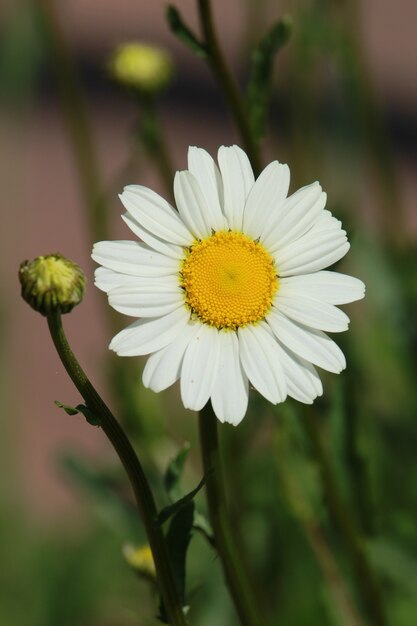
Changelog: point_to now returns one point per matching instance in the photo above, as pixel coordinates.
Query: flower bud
(141, 560)
(144, 68)
(52, 284)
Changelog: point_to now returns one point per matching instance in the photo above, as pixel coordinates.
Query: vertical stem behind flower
(131, 463)
(366, 584)
(234, 571)
(76, 120)
(228, 84)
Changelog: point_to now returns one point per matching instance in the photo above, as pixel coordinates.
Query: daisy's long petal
(169, 249)
(238, 180)
(163, 368)
(261, 361)
(146, 336)
(312, 312)
(230, 394)
(156, 215)
(330, 287)
(106, 279)
(297, 216)
(266, 195)
(192, 206)
(131, 257)
(310, 344)
(312, 252)
(199, 368)
(303, 381)
(206, 172)
(148, 299)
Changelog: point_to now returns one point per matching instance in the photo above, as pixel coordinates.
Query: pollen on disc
(229, 280)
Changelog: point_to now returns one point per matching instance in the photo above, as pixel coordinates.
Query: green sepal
(262, 58)
(174, 473)
(80, 408)
(179, 28)
(173, 509)
(178, 539)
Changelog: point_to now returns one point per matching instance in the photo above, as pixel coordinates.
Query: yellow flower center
(229, 280)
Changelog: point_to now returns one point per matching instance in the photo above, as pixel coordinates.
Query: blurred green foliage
(367, 418)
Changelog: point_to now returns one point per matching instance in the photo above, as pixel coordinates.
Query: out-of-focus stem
(236, 578)
(228, 84)
(344, 522)
(131, 463)
(76, 120)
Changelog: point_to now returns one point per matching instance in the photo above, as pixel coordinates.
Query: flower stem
(234, 572)
(346, 525)
(228, 84)
(131, 463)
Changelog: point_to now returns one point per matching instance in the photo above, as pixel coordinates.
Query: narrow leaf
(174, 473)
(181, 30)
(261, 73)
(172, 509)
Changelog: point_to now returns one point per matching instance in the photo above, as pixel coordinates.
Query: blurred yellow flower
(140, 559)
(140, 66)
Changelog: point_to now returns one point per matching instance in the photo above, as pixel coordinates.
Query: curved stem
(131, 463)
(343, 520)
(234, 572)
(228, 84)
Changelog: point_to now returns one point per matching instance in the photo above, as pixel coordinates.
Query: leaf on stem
(181, 30)
(172, 509)
(80, 408)
(261, 73)
(174, 473)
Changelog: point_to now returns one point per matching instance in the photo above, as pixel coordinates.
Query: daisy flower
(230, 290)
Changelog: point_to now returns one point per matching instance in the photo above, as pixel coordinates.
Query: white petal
(297, 216)
(163, 367)
(238, 180)
(192, 205)
(134, 258)
(261, 361)
(205, 170)
(106, 279)
(303, 381)
(311, 252)
(153, 298)
(265, 197)
(330, 287)
(312, 312)
(199, 368)
(168, 249)
(230, 394)
(310, 344)
(145, 336)
(155, 214)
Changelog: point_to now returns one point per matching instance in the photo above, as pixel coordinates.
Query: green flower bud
(141, 67)
(52, 283)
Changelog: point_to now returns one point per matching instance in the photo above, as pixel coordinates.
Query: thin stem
(131, 463)
(346, 526)
(228, 84)
(234, 572)
(76, 119)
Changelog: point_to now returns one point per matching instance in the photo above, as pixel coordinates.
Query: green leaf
(178, 539)
(261, 73)
(174, 473)
(172, 509)
(181, 30)
(80, 408)
(202, 525)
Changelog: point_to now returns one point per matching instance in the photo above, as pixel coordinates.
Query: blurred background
(343, 111)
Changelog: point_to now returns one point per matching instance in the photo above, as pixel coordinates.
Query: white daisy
(231, 289)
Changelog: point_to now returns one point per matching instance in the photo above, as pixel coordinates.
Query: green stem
(76, 120)
(228, 84)
(153, 139)
(346, 526)
(234, 572)
(131, 463)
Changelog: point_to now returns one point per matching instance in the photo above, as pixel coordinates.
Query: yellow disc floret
(229, 280)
